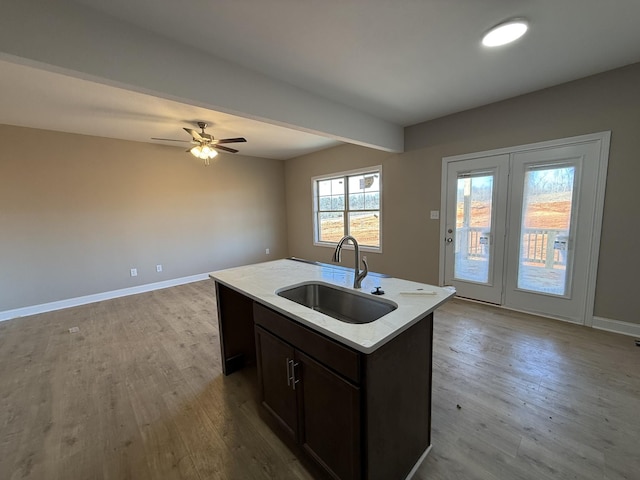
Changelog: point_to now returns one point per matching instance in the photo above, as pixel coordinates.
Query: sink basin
(340, 304)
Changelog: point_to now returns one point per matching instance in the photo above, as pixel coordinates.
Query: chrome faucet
(358, 275)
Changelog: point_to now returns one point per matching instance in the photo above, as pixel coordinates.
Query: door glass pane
(474, 200)
(546, 229)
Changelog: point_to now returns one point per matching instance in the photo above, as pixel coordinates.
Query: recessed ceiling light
(505, 33)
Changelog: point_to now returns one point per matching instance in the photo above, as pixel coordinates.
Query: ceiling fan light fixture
(205, 147)
(204, 152)
(505, 32)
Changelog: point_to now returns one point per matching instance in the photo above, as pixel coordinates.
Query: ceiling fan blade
(196, 135)
(225, 149)
(206, 136)
(169, 139)
(230, 140)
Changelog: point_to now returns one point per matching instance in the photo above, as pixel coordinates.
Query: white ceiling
(398, 61)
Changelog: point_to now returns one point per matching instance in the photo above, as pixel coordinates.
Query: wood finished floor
(138, 393)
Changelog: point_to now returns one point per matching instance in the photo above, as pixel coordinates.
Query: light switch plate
(435, 214)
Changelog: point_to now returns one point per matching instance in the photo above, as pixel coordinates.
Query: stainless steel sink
(340, 304)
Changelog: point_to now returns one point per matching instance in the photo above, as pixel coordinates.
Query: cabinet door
(329, 416)
(275, 364)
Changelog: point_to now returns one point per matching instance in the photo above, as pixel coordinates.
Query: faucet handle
(359, 276)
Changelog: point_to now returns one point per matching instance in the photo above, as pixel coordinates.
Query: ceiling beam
(81, 42)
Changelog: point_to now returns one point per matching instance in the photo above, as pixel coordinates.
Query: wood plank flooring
(138, 393)
(539, 398)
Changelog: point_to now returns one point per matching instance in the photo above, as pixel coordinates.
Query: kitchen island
(356, 398)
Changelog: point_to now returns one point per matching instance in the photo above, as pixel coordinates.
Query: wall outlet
(435, 214)
(134, 272)
(158, 268)
(267, 251)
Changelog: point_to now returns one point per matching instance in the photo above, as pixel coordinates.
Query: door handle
(293, 374)
(289, 371)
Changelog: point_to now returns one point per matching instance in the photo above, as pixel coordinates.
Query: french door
(521, 226)
(475, 229)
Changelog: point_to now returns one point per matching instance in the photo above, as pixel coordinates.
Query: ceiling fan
(205, 144)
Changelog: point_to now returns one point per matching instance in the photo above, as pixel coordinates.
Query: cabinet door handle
(293, 374)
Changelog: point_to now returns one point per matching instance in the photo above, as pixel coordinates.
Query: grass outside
(552, 213)
(366, 230)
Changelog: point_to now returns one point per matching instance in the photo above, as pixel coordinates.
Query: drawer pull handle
(290, 373)
(293, 374)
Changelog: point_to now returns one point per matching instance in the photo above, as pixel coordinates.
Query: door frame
(604, 139)
(498, 166)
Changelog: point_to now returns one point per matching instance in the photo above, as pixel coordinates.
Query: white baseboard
(98, 297)
(616, 326)
(600, 323)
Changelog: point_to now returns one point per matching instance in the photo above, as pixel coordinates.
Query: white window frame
(377, 170)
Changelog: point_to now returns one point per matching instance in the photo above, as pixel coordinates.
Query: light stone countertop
(262, 280)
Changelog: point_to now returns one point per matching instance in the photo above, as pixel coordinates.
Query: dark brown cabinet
(329, 420)
(358, 416)
(275, 362)
(315, 406)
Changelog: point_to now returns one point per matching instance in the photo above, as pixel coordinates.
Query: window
(348, 204)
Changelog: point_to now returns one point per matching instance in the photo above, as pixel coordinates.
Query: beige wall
(77, 212)
(405, 209)
(609, 101)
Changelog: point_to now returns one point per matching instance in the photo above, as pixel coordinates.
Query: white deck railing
(543, 246)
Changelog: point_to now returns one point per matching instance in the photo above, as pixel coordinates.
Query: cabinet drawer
(327, 351)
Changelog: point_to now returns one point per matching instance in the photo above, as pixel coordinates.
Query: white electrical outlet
(134, 272)
(435, 214)
(158, 268)
(74, 330)
(267, 251)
